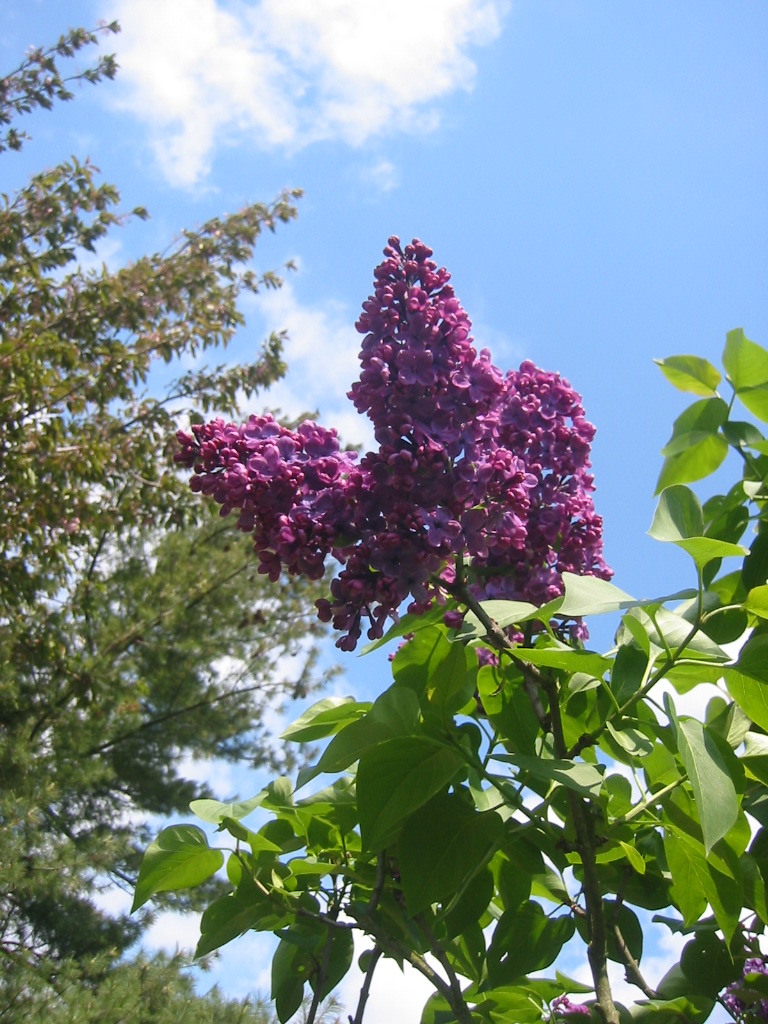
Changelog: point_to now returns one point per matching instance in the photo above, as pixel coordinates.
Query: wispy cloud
(383, 175)
(322, 357)
(286, 73)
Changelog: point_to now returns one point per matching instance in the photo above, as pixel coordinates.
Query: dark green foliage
(135, 631)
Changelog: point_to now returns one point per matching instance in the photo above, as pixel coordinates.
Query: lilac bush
(471, 464)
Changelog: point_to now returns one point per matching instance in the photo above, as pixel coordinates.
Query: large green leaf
(325, 718)
(631, 742)
(567, 659)
(397, 777)
(503, 613)
(215, 811)
(436, 1010)
(703, 417)
(441, 847)
(696, 447)
(461, 915)
(525, 940)
(258, 843)
(690, 373)
(742, 434)
(700, 455)
(417, 659)
(753, 869)
(706, 549)
(589, 595)
(746, 365)
(707, 964)
(290, 972)
(584, 779)
(679, 520)
(179, 858)
(711, 778)
(757, 601)
(234, 914)
(755, 757)
(452, 683)
(394, 713)
(628, 672)
(747, 681)
(696, 883)
(519, 1003)
(667, 629)
(410, 623)
(755, 569)
(510, 712)
(339, 962)
(678, 515)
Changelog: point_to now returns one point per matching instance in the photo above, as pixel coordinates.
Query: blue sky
(593, 175)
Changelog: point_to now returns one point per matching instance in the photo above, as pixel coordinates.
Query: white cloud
(242, 967)
(383, 175)
(173, 932)
(291, 72)
(322, 356)
(395, 994)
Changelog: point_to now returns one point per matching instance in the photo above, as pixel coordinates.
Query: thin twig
(593, 897)
(631, 969)
(502, 643)
(322, 973)
(375, 956)
(440, 955)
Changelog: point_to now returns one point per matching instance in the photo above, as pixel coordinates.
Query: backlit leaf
(397, 777)
(678, 515)
(324, 718)
(757, 601)
(582, 778)
(441, 846)
(746, 365)
(236, 913)
(525, 940)
(179, 858)
(503, 613)
(711, 779)
(214, 810)
(452, 684)
(747, 681)
(696, 883)
(589, 595)
(394, 713)
(690, 373)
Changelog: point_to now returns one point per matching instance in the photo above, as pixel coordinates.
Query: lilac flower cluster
(288, 486)
(469, 462)
(562, 1007)
(744, 1005)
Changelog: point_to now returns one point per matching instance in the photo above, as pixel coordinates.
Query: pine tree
(117, 646)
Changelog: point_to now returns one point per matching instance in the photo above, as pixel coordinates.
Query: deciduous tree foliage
(135, 631)
(514, 795)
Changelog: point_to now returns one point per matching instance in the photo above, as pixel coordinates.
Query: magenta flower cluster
(469, 463)
(741, 1000)
(563, 1008)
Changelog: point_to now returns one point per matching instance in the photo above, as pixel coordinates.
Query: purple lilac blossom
(562, 1007)
(469, 463)
(745, 1006)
